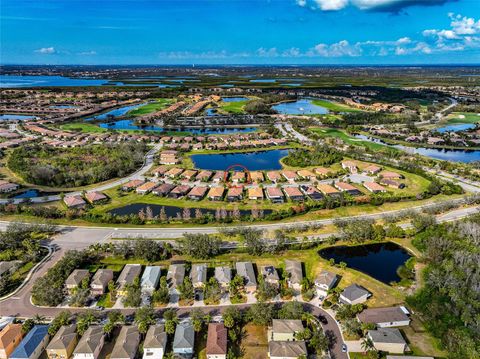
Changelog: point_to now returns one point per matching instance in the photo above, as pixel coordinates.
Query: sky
(240, 32)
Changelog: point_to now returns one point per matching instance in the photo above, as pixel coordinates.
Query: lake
(437, 153)
(234, 99)
(456, 128)
(254, 161)
(32, 193)
(117, 112)
(378, 260)
(12, 81)
(9, 117)
(300, 107)
(170, 211)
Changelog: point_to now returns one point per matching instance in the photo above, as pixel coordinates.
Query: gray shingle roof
(184, 336)
(90, 340)
(291, 349)
(386, 335)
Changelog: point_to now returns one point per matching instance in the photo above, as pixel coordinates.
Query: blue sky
(240, 32)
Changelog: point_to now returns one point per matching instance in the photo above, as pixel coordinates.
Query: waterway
(378, 260)
(254, 161)
(300, 107)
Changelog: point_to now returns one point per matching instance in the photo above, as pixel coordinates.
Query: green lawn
(334, 106)
(463, 117)
(332, 132)
(83, 127)
(232, 107)
(158, 105)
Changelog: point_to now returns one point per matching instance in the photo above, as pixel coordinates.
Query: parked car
(344, 348)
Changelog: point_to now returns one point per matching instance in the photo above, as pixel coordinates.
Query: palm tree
(84, 320)
(171, 321)
(38, 319)
(144, 317)
(367, 345)
(310, 319)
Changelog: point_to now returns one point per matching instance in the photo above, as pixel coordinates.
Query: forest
(449, 301)
(319, 156)
(78, 166)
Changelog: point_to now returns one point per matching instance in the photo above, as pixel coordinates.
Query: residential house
(7, 187)
(155, 342)
(246, 271)
(325, 281)
(175, 275)
(4, 321)
(294, 193)
(350, 166)
(99, 283)
(328, 190)
(189, 175)
(313, 193)
(274, 176)
(285, 329)
(323, 172)
(75, 279)
(275, 194)
(198, 275)
(90, 344)
(63, 343)
(75, 201)
(34, 343)
(223, 275)
(160, 171)
(145, 188)
(126, 345)
(372, 169)
(163, 190)
(216, 347)
(385, 317)
(390, 175)
(218, 177)
(255, 193)
(174, 172)
(150, 278)
(270, 275)
(204, 176)
(131, 185)
(179, 191)
(129, 273)
(95, 197)
(294, 274)
(391, 183)
(169, 157)
(354, 294)
(197, 193)
(10, 337)
(184, 340)
(216, 193)
(238, 177)
(388, 340)
(347, 188)
(234, 194)
(287, 350)
(374, 187)
(290, 176)
(257, 176)
(306, 175)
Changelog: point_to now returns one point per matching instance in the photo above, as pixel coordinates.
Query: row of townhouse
(79, 201)
(66, 343)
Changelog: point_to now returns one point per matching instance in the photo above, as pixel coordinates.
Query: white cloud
(379, 5)
(338, 49)
(46, 50)
(263, 52)
(331, 5)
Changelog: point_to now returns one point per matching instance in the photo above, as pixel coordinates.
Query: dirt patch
(254, 343)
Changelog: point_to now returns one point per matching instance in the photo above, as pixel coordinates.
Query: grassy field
(83, 127)
(254, 344)
(334, 106)
(463, 117)
(332, 132)
(158, 105)
(232, 107)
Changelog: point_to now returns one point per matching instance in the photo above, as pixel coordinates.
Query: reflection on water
(254, 161)
(300, 107)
